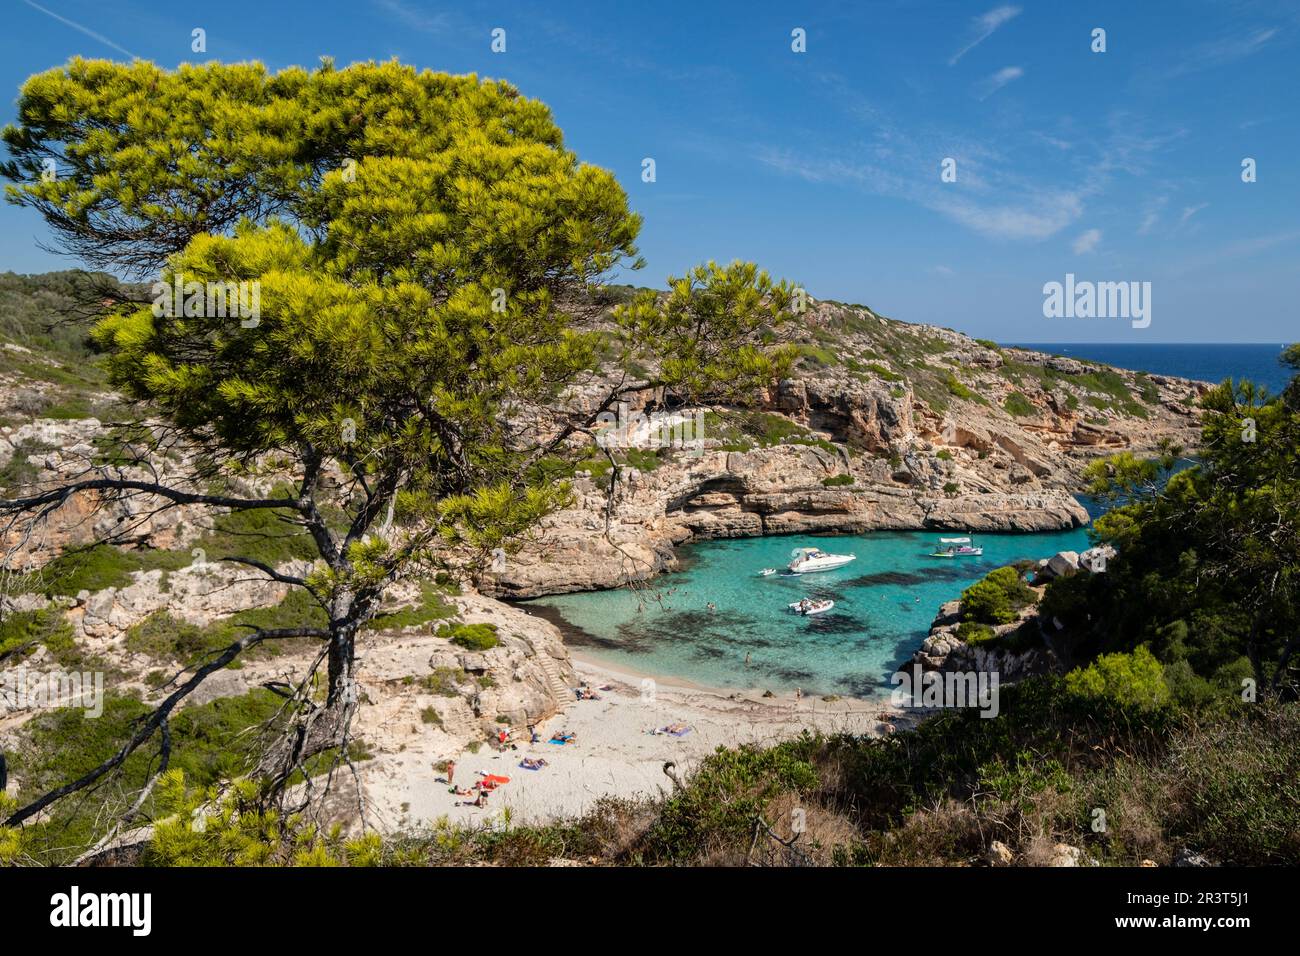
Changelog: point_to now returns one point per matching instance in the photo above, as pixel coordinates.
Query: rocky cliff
(884, 426)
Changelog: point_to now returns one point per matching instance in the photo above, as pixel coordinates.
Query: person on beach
(451, 772)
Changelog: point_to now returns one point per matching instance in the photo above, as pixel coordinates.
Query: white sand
(613, 754)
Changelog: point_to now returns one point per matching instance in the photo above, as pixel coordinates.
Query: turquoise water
(884, 603)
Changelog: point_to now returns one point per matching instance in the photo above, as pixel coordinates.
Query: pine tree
(410, 253)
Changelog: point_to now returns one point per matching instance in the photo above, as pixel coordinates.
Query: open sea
(1207, 362)
(884, 601)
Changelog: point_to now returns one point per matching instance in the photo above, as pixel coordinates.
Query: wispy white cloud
(983, 27)
(1064, 145)
(1086, 242)
(1037, 213)
(996, 194)
(1038, 217)
(1190, 211)
(1245, 248)
(1000, 79)
(415, 18)
(1151, 214)
(1223, 51)
(81, 29)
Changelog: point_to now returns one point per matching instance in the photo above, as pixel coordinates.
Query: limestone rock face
(775, 490)
(884, 446)
(526, 678)
(943, 650)
(198, 594)
(62, 451)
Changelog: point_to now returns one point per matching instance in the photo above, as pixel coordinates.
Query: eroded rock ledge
(744, 494)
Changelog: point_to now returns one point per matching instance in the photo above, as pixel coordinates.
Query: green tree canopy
(410, 252)
(1208, 569)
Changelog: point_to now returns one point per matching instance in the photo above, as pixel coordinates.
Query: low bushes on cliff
(1136, 679)
(474, 637)
(997, 598)
(164, 637)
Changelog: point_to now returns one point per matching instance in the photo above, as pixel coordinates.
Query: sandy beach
(614, 752)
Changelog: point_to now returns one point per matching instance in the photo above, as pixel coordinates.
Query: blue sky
(824, 166)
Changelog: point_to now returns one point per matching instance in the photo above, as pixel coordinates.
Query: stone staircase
(560, 690)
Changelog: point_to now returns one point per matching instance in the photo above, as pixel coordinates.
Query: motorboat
(767, 572)
(808, 560)
(808, 607)
(956, 548)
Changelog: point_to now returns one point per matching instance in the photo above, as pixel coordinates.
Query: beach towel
(495, 778)
(680, 733)
(557, 741)
(524, 766)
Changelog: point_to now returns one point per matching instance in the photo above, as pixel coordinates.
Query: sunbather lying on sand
(479, 801)
(674, 729)
(530, 763)
(563, 738)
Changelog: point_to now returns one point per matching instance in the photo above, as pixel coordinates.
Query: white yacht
(956, 548)
(808, 560)
(808, 607)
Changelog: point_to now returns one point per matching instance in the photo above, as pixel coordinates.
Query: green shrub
(943, 454)
(1017, 404)
(431, 607)
(819, 356)
(1135, 679)
(21, 632)
(956, 388)
(973, 632)
(997, 598)
(98, 567)
(69, 409)
(727, 792)
(837, 481)
(17, 473)
(444, 681)
(164, 637)
(1234, 786)
(474, 637)
(263, 534)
